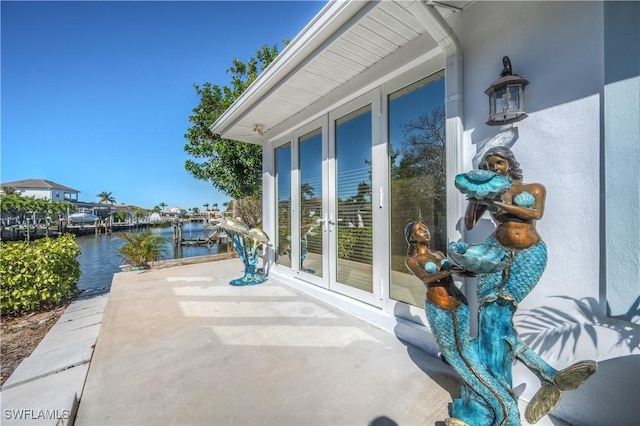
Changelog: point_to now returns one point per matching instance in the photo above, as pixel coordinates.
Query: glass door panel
(283, 188)
(353, 224)
(417, 176)
(310, 164)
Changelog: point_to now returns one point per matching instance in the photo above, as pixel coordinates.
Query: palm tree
(140, 249)
(106, 197)
(206, 206)
(162, 205)
(215, 206)
(9, 190)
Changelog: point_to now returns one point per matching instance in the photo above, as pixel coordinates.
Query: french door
(358, 175)
(336, 217)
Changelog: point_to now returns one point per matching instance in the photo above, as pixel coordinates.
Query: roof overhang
(344, 40)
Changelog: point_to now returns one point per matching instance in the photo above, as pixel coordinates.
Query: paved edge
(46, 386)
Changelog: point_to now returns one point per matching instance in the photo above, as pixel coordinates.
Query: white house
(173, 212)
(372, 110)
(42, 188)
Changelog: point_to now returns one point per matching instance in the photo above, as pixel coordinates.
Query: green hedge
(355, 244)
(38, 274)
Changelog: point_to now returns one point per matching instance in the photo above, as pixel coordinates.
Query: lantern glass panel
(492, 103)
(501, 100)
(515, 98)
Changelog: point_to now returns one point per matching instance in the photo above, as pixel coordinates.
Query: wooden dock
(215, 236)
(24, 233)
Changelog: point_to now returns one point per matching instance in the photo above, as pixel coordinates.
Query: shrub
(355, 244)
(38, 274)
(140, 249)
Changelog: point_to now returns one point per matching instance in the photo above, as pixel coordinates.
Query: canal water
(99, 258)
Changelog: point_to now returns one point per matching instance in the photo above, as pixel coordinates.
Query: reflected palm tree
(307, 191)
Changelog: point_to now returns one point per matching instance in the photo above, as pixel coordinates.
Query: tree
(15, 205)
(233, 167)
(11, 203)
(206, 206)
(9, 190)
(418, 178)
(162, 205)
(138, 212)
(249, 209)
(119, 216)
(106, 197)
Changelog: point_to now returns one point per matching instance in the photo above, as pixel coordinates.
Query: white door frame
(375, 298)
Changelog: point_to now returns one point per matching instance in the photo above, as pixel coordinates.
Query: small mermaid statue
(484, 399)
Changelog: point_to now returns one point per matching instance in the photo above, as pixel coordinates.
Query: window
(353, 189)
(310, 165)
(283, 197)
(417, 167)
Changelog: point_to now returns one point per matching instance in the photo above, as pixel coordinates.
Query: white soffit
(343, 40)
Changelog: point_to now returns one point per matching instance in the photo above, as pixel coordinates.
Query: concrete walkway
(46, 386)
(180, 346)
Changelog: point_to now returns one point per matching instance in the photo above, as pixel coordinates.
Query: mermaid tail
(484, 365)
(484, 401)
(518, 279)
(545, 400)
(499, 294)
(533, 361)
(548, 396)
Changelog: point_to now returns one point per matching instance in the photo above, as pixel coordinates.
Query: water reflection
(99, 258)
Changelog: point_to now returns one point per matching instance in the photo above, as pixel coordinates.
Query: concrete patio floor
(181, 346)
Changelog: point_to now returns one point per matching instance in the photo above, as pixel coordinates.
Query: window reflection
(354, 227)
(418, 175)
(310, 152)
(283, 185)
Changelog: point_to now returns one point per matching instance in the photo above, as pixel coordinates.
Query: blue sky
(97, 95)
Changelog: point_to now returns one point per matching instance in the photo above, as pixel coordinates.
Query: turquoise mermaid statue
(508, 266)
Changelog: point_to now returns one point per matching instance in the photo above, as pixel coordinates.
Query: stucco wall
(559, 48)
(37, 193)
(621, 156)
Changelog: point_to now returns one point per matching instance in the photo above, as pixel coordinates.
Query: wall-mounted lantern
(506, 97)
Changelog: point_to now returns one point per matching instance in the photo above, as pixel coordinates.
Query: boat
(83, 216)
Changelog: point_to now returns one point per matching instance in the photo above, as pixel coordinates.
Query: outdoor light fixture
(259, 129)
(506, 97)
